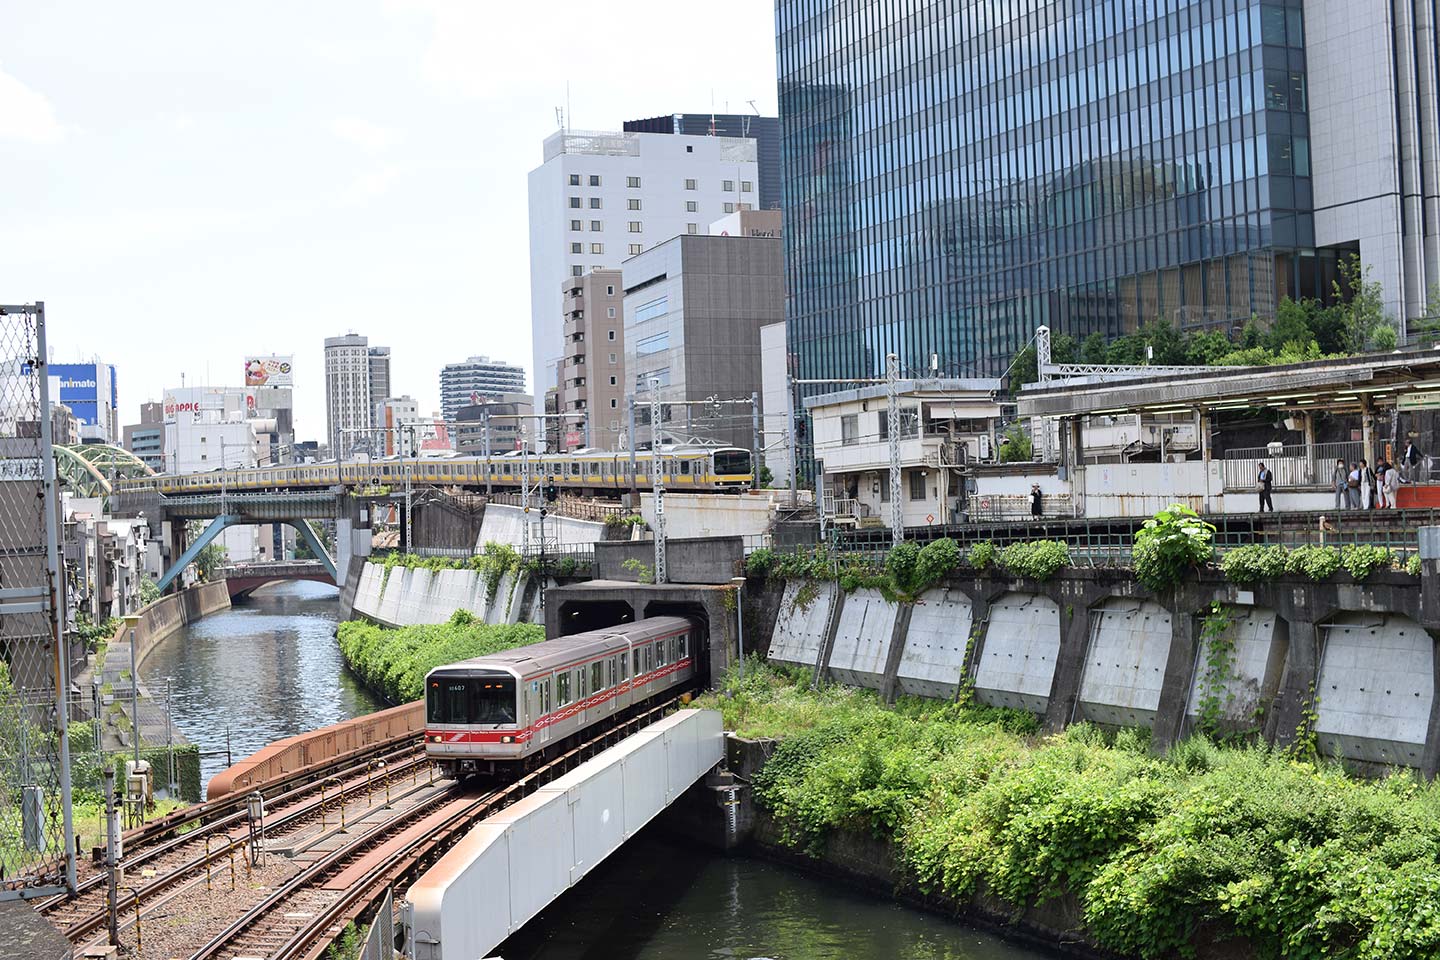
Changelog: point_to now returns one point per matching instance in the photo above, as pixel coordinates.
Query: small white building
(945, 426)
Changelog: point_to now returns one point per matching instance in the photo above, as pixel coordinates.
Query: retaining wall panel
(1125, 663)
(934, 656)
(862, 639)
(1375, 690)
(1016, 666)
(1254, 666)
(800, 633)
(367, 594)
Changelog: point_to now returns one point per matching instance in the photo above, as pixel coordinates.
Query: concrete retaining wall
(706, 515)
(1095, 645)
(506, 524)
(705, 560)
(410, 597)
(168, 614)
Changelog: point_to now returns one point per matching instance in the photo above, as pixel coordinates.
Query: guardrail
(1294, 465)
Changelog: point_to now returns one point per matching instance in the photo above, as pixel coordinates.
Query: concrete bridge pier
(352, 546)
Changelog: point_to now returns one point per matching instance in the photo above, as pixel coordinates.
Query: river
(265, 669)
(656, 899)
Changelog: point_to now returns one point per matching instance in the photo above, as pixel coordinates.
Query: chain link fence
(36, 849)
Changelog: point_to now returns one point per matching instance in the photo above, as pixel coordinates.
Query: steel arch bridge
(89, 468)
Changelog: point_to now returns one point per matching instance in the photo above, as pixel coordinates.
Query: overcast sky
(185, 183)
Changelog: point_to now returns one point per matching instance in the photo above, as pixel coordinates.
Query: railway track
(299, 920)
(179, 847)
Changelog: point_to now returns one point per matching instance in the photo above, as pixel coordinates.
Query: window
(562, 689)
(632, 181)
(597, 675)
(689, 149)
(594, 180)
(574, 203)
(636, 670)
(613, 402)
(574, 179)
(610, 335)
(634, 203)
(884, 488)
(614, 382)
(577, 248)
(652, 344)
(689, 184)
(612, 358)
(610, 312)
(597, 248)
(729, 208)
(692, 228)
(577, 271)
(652, 309)
(594, 203)
(917, 485)
(728, 186)
(634, 226)
(691, 206)
(745, 186)
(595, 226)
(614, 424)
(635, 249)
(850, 429)
(577, 225)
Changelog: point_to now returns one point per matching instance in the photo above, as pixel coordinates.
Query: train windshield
(732, 462)
(471, 699)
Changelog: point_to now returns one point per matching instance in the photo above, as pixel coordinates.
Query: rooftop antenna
(560, 118)
(569, 114)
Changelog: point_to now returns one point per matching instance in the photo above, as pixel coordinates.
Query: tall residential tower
(348, 410)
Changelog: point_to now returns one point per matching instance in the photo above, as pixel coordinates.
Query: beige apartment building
(592, 368)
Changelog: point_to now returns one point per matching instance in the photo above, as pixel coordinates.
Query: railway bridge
(242, 579)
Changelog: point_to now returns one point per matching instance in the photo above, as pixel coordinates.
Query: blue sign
(82, 387)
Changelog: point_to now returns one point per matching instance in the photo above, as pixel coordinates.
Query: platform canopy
(1407, 379)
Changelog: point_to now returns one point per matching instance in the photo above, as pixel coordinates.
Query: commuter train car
(589, 472)
(498, 711)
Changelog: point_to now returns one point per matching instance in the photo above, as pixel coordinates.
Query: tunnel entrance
(694, 611)
(578, 616)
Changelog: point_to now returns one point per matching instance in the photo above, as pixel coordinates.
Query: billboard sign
(84, 388)
(269, 371)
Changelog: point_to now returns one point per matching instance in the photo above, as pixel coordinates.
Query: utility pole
(794, 445)
(409, 469)
(892, 417)
(631, 444)
(112, 856)
(657, 488)
(134, 701)
(755, 440)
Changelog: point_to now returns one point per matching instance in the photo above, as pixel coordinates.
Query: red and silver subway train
(494, 712)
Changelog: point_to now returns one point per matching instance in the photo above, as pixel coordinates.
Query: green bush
(900, 564)
(1253, 563)
(1317, 563)
(1362, 560)
(1036, 559)
(1291, 859)
(1412, 566)
(394, 662)
(1170, 545)
(760, 563)
(982, 555)
(936, 561)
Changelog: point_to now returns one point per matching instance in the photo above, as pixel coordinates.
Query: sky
(186, 183)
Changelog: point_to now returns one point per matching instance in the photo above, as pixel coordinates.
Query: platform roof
(1334, 386)
(924, 389)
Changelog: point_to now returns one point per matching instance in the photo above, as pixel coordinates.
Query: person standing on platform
(1367, 486)
(1392, 486)
(1352, 487)
(1266, 480)
(1338, 481)
(1037, 502)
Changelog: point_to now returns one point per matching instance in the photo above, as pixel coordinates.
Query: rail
(1295, 466)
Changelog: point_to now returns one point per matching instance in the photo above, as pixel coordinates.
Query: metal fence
(1294, 465)
(380, 941)
(36, 837)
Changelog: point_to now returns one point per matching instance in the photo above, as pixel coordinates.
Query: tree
(1093, 349)
(1016, 446)
(1025, 368)
(210, 559)
(1364, 310)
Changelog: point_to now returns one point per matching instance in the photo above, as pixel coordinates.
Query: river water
(269, 668)
(656, 899)
(265, 669)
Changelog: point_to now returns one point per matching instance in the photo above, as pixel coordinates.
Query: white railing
(1294, 465)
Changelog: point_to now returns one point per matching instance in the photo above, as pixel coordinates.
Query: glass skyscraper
(959, 172)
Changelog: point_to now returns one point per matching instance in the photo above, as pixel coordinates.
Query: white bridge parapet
(513, 864)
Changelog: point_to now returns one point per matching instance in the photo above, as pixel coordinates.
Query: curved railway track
(299, 919)
(181, 845)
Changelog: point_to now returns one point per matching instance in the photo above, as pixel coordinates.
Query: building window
(595, 226)
(614, 381)
(635, 249)
(610, 334)
(850, 429)
(691, 206)
(917, 485)
(613, 402)
(612, 337)
(634, 226)
(744, 186)
(574, 179)
(689, 149)
(653, 344)
(884, 488)
(610, 292)
(610, 312)
(597, 248)
(634, 203)
(594, 203)
(652, 309)
(574, 203)
(632, 181)
(577, 248)
(729, 186)
(577, 225)
(689, 184)
(692, 228)
(729, 208)
(594, 180)
(577, 271)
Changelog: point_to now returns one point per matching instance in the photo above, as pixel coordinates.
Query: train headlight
(507, 739)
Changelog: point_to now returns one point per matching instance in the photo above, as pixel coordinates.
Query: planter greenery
(1170, 545)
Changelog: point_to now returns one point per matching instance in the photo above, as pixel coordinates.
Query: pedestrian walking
(1266, 480)
(1338, 481)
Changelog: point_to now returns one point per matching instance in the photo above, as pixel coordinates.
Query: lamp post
(739, 583)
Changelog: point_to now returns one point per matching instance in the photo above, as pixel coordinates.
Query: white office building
(600, 198)
(476, 380)
(349, 412)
